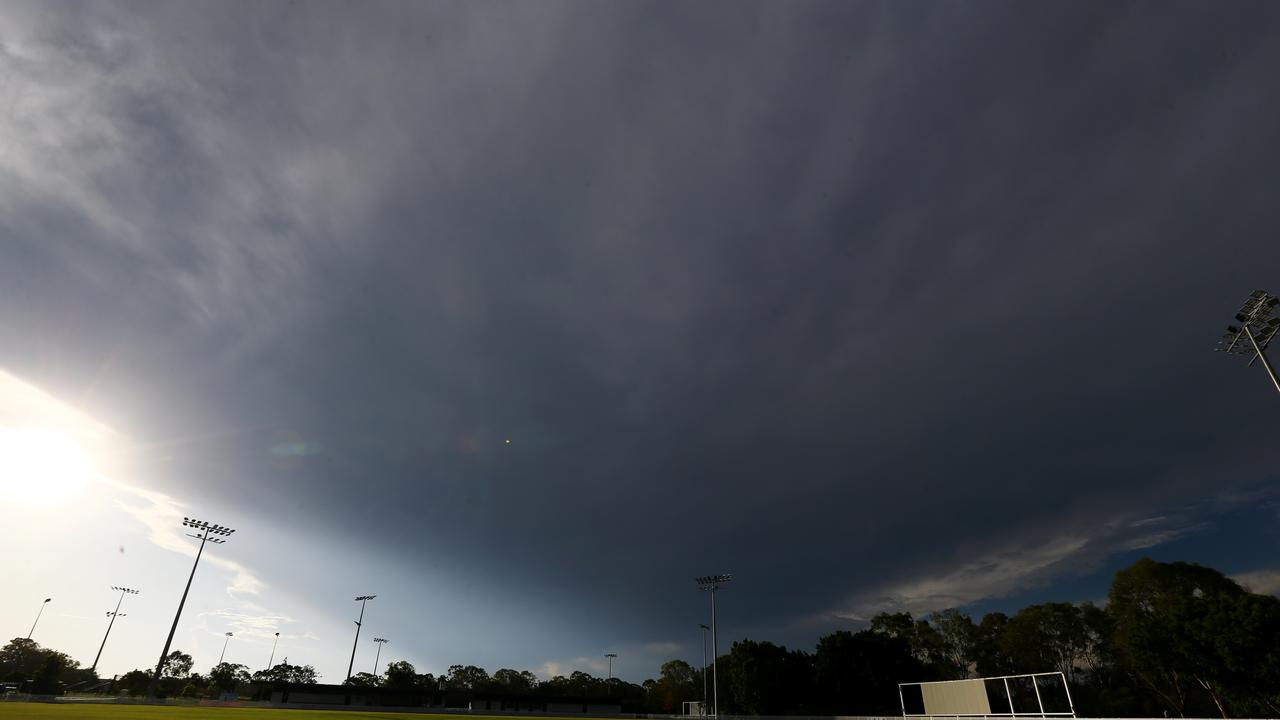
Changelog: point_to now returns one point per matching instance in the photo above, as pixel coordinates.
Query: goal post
(1043, 695)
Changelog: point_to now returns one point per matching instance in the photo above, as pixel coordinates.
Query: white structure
(969, 698)
(695, 708)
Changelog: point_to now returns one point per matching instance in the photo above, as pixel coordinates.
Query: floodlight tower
(113, 614)
(1258, 327)
(712, 583)
(611, 656)
(377, 658)
(224, 648)
(705, 630)
(205, 533)
(271, 662)
(362, 600)
(38, 614)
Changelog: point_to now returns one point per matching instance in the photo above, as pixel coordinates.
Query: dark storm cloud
(863, 302)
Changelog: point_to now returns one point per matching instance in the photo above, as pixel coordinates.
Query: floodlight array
(1255, 318)
(207, 527)
(129, 591)
(362, 598)
(708, 581)
(381, 640)
(228, 634)
(112, 613)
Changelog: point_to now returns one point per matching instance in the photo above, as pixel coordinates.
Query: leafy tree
(177, 664)
(228, 676)
(1047, 637)
(1171, 628)
(46, 681)
(678, 682)
(766, 679)
(988, 649)
(468, 677)
(135, 682)
(515, 680)
(858, 673)
(957, 638)
(22, 657)
(286, 673)
(400, 675)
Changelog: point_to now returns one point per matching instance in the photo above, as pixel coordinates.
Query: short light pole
(1256, 330)
(271, 662)
(113, 615)
(362, 600)
(38, 614)
(712, 583)
(204, 533)
(224, 648)
(705, 630)
(608, 688)
(378, 657)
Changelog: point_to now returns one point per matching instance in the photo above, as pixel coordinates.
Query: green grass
(95, 711)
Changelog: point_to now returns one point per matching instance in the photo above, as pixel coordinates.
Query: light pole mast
(362, 600)
(38, 614)
(608, 687)
(705, 629)
(712, 583)
(204, 533)
(113, 615)
(378, 658)
(271, 662)
(224, 648)
(1257, 327)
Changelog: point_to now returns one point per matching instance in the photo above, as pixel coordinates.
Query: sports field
(95, 711)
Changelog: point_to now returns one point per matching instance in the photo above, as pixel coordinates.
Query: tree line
(1172, 638)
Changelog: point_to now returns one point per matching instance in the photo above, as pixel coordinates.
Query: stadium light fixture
(224, 648)
(113, 614)
(271, 662)
(712, 583)
(378, 658)
(206, 533)
(705, 630)
(362, 599)
(1256, 330)
(38, 614)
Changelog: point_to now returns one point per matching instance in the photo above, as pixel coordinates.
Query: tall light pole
(38, 614)
(204, 533)
(113, 615)
(712, 583)
(705, 629)
(271, 662)
(1257, 327)
(224, 648)
(378, 658)
(608, 687)
(362, 600)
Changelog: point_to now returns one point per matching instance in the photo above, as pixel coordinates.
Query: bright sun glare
(41, 466)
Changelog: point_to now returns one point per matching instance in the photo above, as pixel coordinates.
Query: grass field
(94, 711)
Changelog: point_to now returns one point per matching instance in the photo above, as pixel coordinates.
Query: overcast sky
(522, 315)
